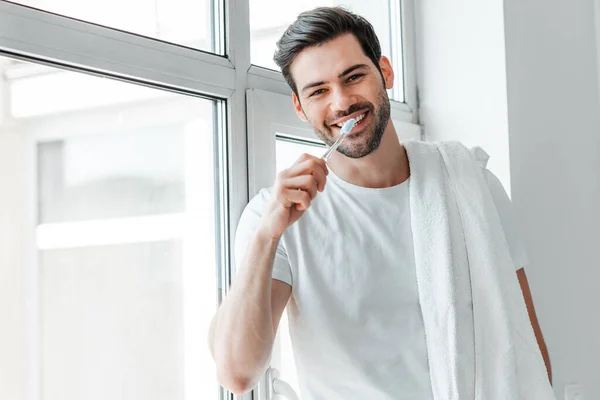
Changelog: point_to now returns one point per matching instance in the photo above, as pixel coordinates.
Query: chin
(359, 150)
(361, 144)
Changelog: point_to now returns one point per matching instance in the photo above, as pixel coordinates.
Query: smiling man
(333, 242)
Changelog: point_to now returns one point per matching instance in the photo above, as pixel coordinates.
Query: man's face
(336, 81)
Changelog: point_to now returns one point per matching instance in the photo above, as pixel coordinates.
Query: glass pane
(267, 27)
(112, 322)
(113, 175)
(186, 22)
(287, 152)
(124, 185)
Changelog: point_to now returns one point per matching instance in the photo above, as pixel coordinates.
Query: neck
(386, 166)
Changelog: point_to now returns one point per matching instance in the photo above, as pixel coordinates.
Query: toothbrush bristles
(346, 128)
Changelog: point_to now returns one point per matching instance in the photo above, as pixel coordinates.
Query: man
(335, 240)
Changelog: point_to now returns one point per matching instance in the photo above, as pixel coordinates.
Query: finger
(304, 157)
(307, 167)
(299, 197)
(321, 178)
(307, 183)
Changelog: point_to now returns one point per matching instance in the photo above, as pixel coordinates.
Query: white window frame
(47, 38)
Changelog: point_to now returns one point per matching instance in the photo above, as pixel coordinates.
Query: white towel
(479, 337)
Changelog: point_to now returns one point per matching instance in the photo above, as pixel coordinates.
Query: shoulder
(450, 148)
(476, 153)
(480, 156)
(254, 209)
(260, 200)
(249, 221)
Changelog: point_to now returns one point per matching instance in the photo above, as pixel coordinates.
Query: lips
(357, 119)
(356, 115)
(355, 130)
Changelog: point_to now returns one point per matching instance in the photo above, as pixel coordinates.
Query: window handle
(279, 387)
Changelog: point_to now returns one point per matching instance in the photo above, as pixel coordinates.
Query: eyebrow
(344, 73)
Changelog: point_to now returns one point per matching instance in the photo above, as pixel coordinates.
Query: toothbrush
(346, 128)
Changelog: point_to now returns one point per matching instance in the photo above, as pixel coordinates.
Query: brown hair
(321, 25)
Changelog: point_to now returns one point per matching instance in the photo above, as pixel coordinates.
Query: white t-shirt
(355, 320)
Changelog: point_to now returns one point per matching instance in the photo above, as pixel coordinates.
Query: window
(384, 15)
(192, 23)
(127, 199)
(132, 135)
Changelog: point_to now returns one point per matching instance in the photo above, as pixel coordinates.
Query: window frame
(46, 38)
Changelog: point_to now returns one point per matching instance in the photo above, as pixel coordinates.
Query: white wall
(522, 76)
(462, 76)
(554, 152)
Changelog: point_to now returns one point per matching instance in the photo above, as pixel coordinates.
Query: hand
(293, 191)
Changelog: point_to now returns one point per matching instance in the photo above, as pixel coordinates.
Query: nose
(342, 99)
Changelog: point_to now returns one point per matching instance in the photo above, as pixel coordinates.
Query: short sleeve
(246, 229)
(508, 220)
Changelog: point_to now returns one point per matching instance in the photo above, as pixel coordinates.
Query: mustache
(351, 110)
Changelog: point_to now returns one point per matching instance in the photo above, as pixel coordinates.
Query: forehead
(326, 61)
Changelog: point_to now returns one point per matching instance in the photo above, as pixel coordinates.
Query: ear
(298, 108)
(387, 71)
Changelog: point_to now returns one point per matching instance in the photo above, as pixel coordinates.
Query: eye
(355, 77)
(317, 92)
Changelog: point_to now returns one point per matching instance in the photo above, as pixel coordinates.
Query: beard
(371, 136)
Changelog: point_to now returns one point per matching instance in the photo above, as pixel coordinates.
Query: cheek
(318, 124)
(316, 114)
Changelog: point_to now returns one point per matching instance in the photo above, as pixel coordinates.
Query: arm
(518, 254)
(243, 330)
(533, 317)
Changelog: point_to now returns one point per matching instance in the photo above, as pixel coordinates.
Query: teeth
(358, 119)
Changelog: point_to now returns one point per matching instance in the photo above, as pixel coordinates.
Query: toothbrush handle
(333, 147)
